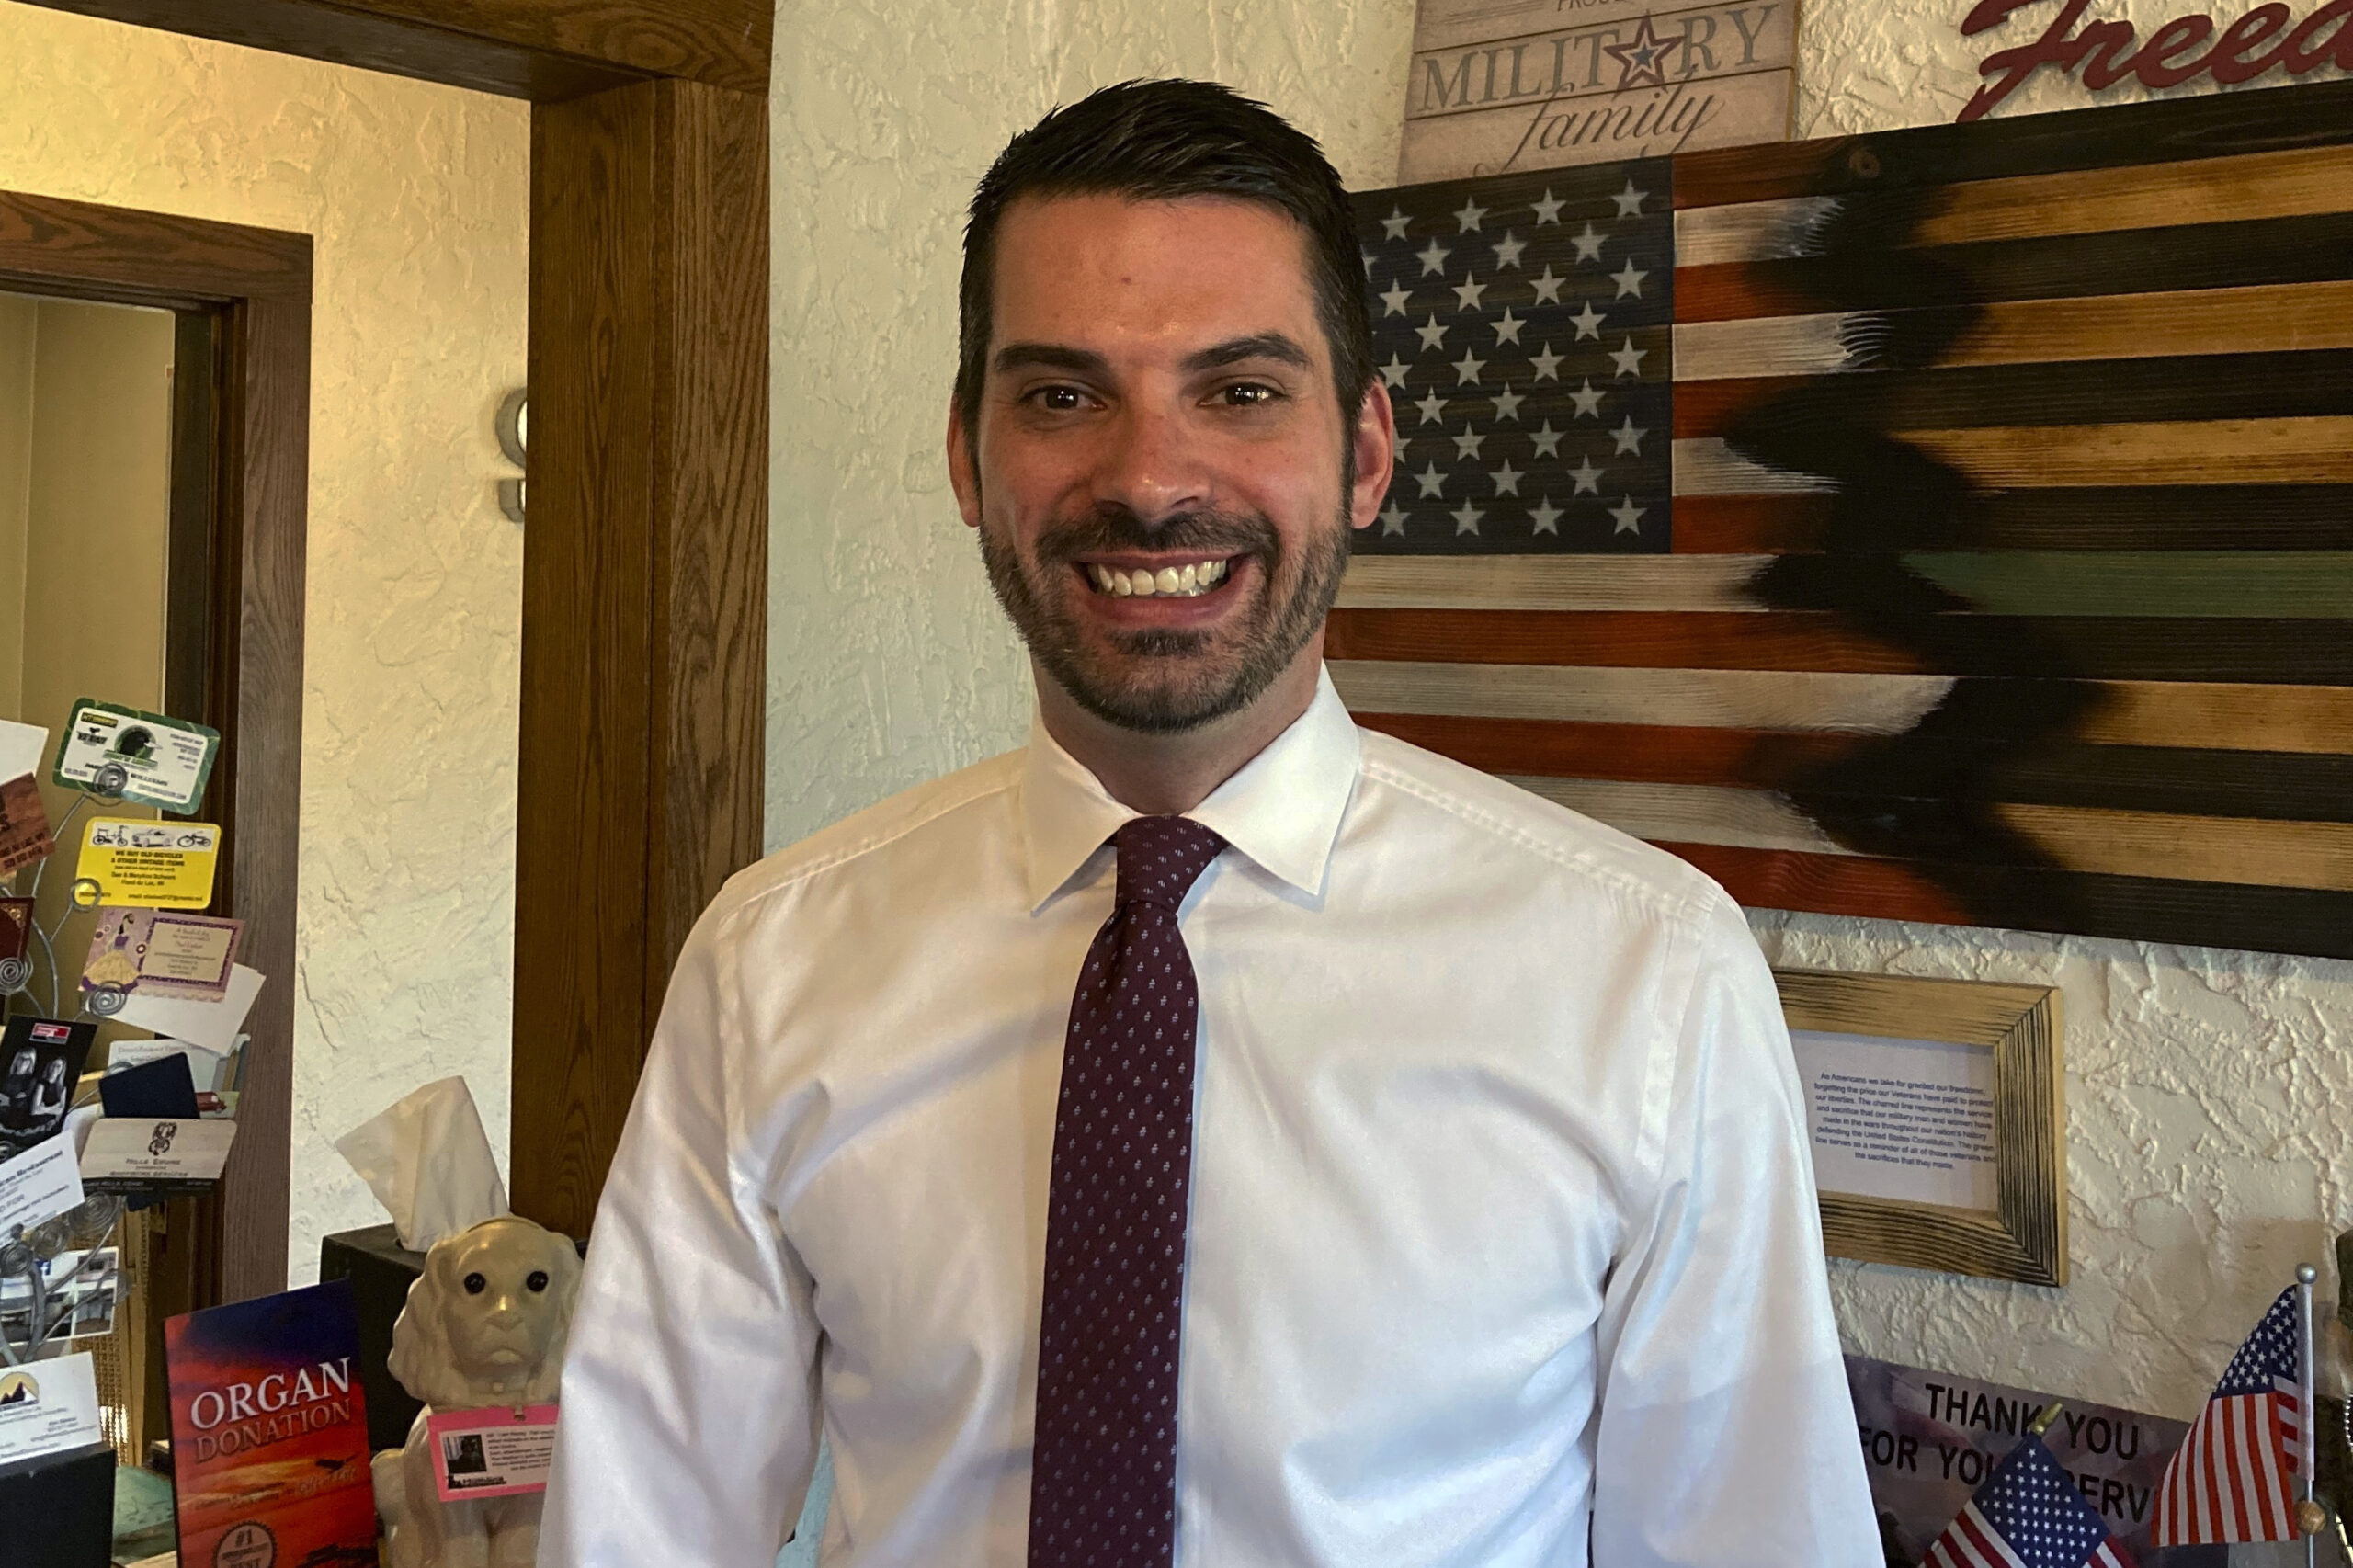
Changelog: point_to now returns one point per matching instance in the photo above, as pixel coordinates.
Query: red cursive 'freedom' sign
(2109, 52)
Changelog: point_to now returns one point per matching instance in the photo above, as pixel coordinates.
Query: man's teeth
(1168, 583)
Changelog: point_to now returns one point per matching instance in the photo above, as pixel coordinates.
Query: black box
(380, 1271)
(57, 1511)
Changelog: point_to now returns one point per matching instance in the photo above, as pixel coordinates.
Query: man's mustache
(1202, 532)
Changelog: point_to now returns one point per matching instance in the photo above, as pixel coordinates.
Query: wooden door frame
(642, 756)
(243, 295)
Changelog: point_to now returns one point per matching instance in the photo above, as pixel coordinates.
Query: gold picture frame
(2024, 1237)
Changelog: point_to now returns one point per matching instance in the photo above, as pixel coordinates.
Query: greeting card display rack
(17, 974)
(27, 1255)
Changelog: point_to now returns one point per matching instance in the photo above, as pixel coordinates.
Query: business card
(208, 1069)
(147, 759)
(161, 865)
(161, 952)
(41, 1061)
(499, 1452)
(135, 1152)
(39, 1185)
(24, 823)
(48, 1406)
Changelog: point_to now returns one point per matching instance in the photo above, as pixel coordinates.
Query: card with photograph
(80, 1290)
(500, 1453)
(41, 1061)
(162, 952)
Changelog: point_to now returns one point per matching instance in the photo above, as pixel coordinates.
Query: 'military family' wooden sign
(1503, 86)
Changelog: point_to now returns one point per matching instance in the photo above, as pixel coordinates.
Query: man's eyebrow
(1275, 346)
(1048, 357)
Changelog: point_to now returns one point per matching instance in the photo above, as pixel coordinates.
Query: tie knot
(1161, 858)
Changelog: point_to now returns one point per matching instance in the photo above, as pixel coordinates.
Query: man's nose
(1151, 465)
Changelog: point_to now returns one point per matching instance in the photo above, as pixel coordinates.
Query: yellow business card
(154, 865)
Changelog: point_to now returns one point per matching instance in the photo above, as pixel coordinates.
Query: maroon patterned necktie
(1103, 1477)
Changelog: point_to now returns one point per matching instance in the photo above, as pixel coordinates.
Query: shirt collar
(1282, 810)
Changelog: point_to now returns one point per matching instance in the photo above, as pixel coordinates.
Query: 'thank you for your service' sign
(1505, 86)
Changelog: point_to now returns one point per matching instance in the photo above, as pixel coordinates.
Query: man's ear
(1375, 437)
(962, 476)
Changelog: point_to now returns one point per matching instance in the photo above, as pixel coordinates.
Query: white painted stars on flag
(2031, 1513)
(1522, 328)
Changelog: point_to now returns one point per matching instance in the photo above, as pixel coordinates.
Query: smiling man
(1211, 1135)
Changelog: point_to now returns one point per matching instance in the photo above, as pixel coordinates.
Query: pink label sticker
(503, 1451)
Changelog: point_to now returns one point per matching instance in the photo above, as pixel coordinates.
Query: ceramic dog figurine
(484, 1325)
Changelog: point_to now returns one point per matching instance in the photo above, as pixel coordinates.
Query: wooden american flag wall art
(1947, 525)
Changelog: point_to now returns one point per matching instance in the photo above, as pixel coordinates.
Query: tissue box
(380, 1271)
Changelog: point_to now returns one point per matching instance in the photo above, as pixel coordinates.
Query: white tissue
(427, 1161)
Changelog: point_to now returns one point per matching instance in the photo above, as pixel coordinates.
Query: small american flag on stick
(2234, 1477)
(2027, 1515)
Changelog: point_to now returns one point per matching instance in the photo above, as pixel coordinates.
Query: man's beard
(1167, 681)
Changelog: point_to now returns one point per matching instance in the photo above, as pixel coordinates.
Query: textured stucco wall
(415, 197)
(2207, 1090)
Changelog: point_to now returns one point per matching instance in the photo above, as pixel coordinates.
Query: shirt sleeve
(1727, 1434)
(690, 1413)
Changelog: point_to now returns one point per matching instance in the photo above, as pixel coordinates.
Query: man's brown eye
(539, 1280)
(475, 1284)
(1060, 398)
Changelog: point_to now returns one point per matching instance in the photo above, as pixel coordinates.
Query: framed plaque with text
(1937, 1114)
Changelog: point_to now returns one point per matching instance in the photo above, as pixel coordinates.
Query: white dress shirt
(1504, 1237)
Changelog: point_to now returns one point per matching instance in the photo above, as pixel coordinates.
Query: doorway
(176, 573)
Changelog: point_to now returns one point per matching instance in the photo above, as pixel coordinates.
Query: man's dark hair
(1161, 140)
